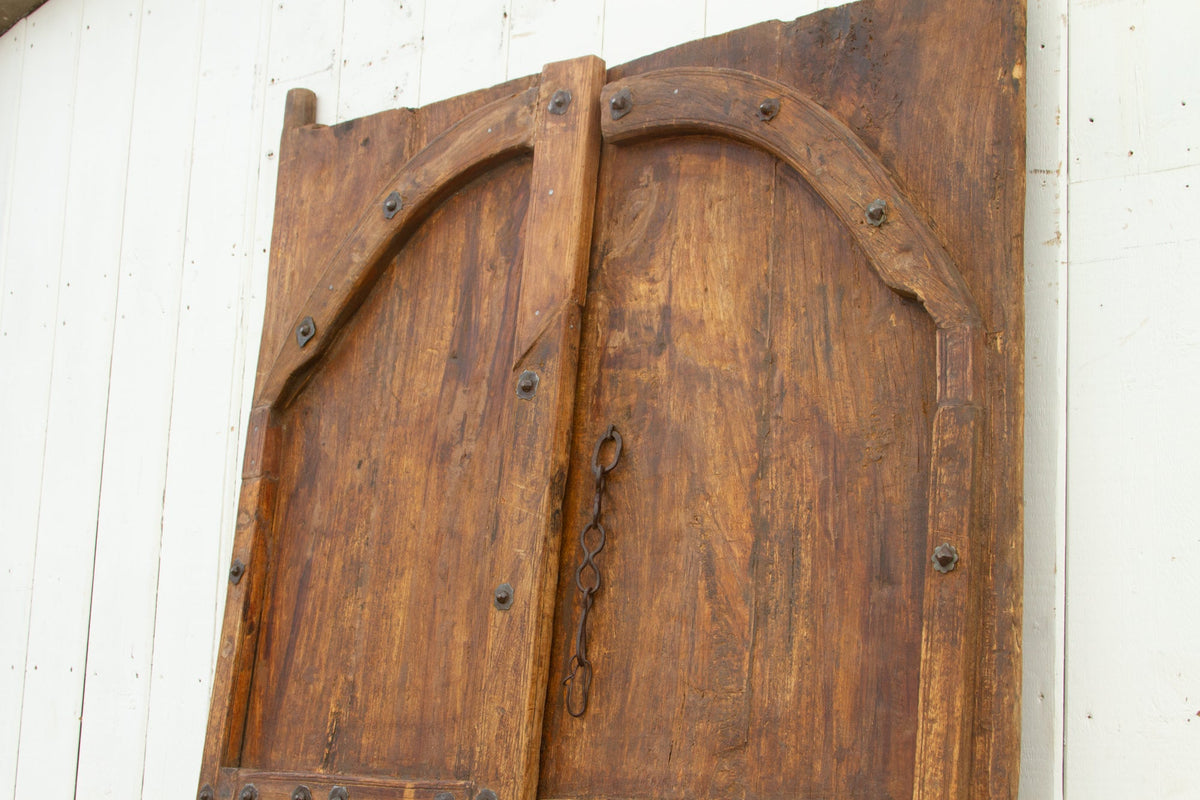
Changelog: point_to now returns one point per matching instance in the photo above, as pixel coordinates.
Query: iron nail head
(443, 796)
(206, 793)
(945, 557)
(768, 108)
(503, 597)
(486, 794)
(301, 793)
(305, 331)
(527, 384)
(392, 205)
(876, 210)
(236, 571)
(339, 793)
(249, 792)
(560, 102)
(621, 103)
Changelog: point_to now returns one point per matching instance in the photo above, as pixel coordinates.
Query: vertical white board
(40, 723)
(12, 56)
(1045, 400)
(1133, 558)
(542, 31)
(466, 47)
(380, 56)
(18, 566)
(635, 28)
(204, 438)
(74, 445)
(129, 525)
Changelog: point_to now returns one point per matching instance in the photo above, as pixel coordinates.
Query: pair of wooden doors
(785, 264)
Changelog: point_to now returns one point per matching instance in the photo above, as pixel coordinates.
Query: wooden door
(784, 264)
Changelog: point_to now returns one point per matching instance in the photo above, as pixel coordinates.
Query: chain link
(578, 681)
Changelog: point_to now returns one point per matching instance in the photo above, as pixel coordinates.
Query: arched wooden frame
(909, 259)
(737, 105)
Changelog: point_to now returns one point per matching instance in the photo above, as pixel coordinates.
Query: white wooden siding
(1133, 493)
(137, 172)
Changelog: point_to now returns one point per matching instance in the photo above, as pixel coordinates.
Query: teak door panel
(786, 266)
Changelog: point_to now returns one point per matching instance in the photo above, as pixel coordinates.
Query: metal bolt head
(560, 102)
(503, 598)
(945, 557)
(621, 103)
(392, 205)
(768, 108)
(486, 794)
(339, 793)
(249, 792)
(301, 793)
(876, 211)
(236, 571)
(305, 331)
(443, 796)
(527, 384)
(206, 793)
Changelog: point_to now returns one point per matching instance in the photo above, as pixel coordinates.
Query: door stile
(248, 574)
(515, 662)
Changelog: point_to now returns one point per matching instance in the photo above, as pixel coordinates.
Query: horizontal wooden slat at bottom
(270, 785)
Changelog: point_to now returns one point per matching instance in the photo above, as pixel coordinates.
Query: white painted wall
(137, 175)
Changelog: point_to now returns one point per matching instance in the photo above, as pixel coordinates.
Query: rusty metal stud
(443, 796)
(875, 212)
(339, 793)
(768, 108)
(249, 792)
(206, 793)
(503, 598)
(392, 206)
(621, 103)
(301, 793)
(486, 794)
(945, 556)
(527, 385)
(560, 102)
(305, 331)
(236, 571)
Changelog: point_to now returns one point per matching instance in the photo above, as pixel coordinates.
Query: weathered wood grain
(485, 137)
(959, 153)
(529, 528)
(809, 403)
(831, 158)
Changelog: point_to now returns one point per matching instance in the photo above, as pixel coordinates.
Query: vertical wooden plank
(1133, 556)
(1143, 56)
(634, 28)
(380, 56)
(14, 589)
(1045, 401)
(80, 370)
(202, 445)
(466, 47)
(12, 57)
(129, 523)
(39, 722)
(726, 15)
(529, 532)
(546, 30)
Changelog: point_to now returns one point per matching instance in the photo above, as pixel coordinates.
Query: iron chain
(578, 681)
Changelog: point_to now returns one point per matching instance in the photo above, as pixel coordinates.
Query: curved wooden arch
(495, 133)
(835, 162)
(910, 260)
